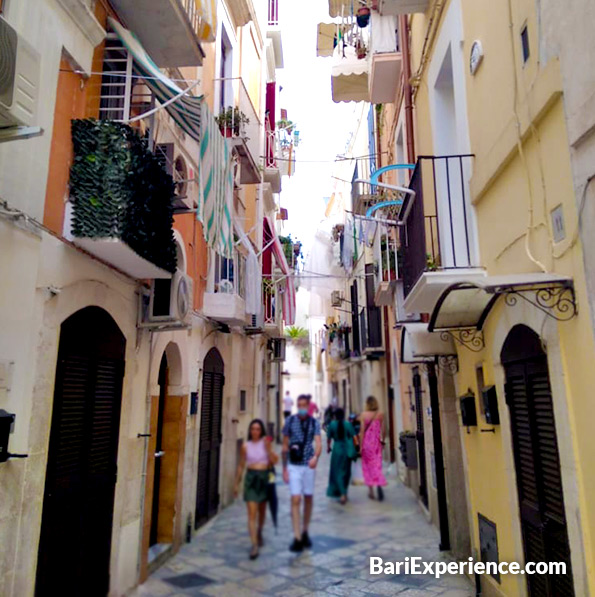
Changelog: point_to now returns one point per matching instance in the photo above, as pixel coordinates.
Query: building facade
(143, 317)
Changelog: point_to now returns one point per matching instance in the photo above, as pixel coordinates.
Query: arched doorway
(537, 461)
(76, 527)
(207, 491)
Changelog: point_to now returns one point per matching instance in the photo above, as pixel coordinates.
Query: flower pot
(363, 16)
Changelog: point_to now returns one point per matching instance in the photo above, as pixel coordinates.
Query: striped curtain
(216, 186)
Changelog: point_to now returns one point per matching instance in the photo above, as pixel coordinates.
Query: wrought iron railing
(273, 16)
(271, 301)
(436, 229)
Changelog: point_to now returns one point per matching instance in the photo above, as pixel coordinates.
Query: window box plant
(232, 122)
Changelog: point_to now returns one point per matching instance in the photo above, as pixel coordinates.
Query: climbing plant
(120, 190)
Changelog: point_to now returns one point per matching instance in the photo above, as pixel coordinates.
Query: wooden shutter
(164, 152)
(373, 312)
(355, 319)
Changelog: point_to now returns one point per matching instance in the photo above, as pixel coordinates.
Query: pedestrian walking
(340, 436)
(371, 441)
(300, 458)
(329, 414)
(287, 404)
(313, 409)
(257, 457)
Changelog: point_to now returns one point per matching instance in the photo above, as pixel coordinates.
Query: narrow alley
(344, 537)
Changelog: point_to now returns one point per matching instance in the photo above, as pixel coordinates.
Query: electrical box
(488, 542)
(193, 403)
(408, 449)
(468, 410)
(490, 405)
(6, 421)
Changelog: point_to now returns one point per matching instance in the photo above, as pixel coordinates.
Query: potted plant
(363, 16)
(232, 122)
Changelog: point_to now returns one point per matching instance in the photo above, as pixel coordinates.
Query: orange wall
(75, 98)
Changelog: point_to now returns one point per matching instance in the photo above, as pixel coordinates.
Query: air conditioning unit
(171, 300)
(336, 298)
(19, 79)
(256, 325)
(277, 347)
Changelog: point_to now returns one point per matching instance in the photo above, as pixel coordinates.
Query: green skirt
(255, 486)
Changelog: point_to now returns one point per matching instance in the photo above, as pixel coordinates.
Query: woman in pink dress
(371, 441)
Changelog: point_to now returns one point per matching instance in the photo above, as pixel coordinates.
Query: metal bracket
(19, 132)
(469, 338)
(558, 302)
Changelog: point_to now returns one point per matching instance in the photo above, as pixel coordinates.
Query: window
(242, 401)
(525, 43)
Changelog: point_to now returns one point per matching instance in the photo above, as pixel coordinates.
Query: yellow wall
(505, 186)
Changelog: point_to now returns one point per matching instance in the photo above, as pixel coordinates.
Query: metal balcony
(273, 308)
(437, 231)
(273, 159)
(168, 29)
(239, 121)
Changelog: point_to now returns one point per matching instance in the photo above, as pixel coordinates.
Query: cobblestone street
(216, 562)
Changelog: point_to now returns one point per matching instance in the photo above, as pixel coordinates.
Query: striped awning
(215, 175)
(289, 301)
(186, 110)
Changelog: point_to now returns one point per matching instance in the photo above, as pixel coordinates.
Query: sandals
(254, 552)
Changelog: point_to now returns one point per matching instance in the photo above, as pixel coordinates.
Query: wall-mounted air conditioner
(170, 300)
(19, 79)
(336, 298)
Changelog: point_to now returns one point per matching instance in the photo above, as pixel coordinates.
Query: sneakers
(296, 546)
(306, 541)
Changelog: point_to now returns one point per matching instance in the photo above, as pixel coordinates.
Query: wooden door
(420, 436)
(76, 527)
(537, 461)
(209, 456)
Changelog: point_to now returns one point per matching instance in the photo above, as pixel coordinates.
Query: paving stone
(344, 539)
(266, 582)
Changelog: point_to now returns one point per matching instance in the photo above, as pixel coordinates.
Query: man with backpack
(302, 447)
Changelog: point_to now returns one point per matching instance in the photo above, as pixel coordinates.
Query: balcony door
(78, 503)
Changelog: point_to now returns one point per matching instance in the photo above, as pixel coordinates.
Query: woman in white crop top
(257, 457)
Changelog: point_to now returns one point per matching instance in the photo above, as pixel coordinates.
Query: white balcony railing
(230, 275)
(272, 303)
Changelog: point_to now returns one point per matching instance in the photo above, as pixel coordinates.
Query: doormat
(188, 581)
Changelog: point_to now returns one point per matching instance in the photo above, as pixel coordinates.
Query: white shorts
(301, 479)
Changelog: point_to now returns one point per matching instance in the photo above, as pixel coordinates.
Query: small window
(242, 401)
(525, 43)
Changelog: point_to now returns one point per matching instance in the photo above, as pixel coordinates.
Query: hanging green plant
(120, 190)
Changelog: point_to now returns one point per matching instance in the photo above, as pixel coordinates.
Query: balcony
(121, 207)
(273, 159)
(273, 309)
(402, 7)
(224, 300)
(239, 122)
(385, 59)
(269, 199)
(437, 237)
(170, 30)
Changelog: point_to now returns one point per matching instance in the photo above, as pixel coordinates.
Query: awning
(418, 345)
(186, 110)
(466, 305)
(326, 39)
(349, 76)
(339, 8)
(289, 302)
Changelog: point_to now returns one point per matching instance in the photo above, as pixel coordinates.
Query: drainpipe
(407, 90)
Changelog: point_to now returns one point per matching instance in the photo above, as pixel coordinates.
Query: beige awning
(418, 345)
(325, 39)
(349, 76)
(466, 305)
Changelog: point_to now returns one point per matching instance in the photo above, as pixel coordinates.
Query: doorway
(537, 461)
(209, 455)
(420, 437)
(78, 504)
(161, 518)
